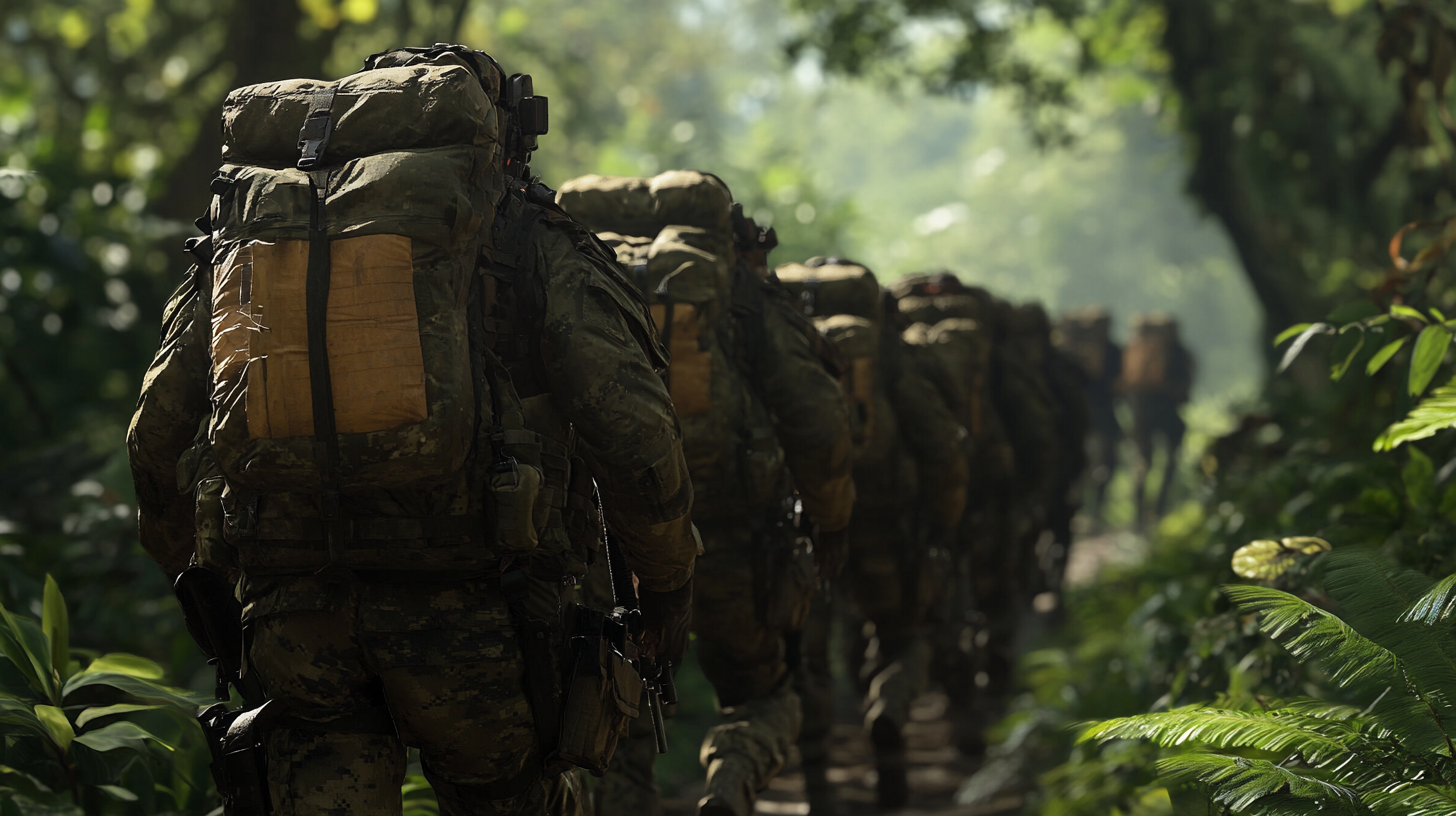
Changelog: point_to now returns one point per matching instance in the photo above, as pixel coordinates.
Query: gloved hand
(665, 620)
(830, 553)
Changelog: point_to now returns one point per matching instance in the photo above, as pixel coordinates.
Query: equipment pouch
(213, 551)
(239, 759)
(789, 582)
(514, 489)
(603, 691)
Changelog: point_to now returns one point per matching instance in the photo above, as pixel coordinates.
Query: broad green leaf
(25, 645)
(128, 664)
(98, 712)
(1406, 311)
(1435, 413)
(120, 735)
(1383, 355)
(56, 725)
(56, 624)
(118, 792)
(1267, 559)
(1430, 350)
(136, 687)
(1301, 341)
(1436, 313)
(1290, 332)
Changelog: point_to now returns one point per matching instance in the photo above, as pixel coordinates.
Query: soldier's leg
(881, 586)
(1142, 437)
(1173, 429)
(455, 682)
(815, 686)
(629, 787)
(312, 663)
(744, 660)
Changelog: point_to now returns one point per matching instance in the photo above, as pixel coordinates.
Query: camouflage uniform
(1100, 361)
(742, 657)
(910, 473)
(781, 426)
(1158, 375)
(419, 629)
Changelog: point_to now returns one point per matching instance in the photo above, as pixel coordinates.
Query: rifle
(657, 680)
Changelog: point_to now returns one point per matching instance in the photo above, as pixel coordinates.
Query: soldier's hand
(830, 553)
(665, 620)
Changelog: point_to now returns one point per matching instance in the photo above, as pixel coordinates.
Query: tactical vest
(673, 232)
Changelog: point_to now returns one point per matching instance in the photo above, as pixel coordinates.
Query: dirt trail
(937, 769)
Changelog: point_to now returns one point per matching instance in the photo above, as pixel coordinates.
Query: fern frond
(1436, 606)
(1311, 633)
(1317, 709)
(1240, 783)
(1220, 728)
(1417, 800)
(1371, 593)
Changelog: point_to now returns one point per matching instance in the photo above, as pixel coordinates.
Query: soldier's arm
(594, 346)
(935, 438)
(811, 416)
(172, 404)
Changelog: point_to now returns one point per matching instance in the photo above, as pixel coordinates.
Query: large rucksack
(1085, 336)
(674, 233)
(833, 286)
(1154, 360)
(347, 223)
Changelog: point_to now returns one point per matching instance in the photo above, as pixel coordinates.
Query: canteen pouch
(515, 488)
(788, 584)
(604, 691)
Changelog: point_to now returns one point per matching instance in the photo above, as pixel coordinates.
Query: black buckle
(312, 138)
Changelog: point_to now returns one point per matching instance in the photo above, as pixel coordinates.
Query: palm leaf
(1314, 739)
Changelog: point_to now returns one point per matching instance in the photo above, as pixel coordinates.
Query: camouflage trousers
(745, 662)
(897, 596)
(441, 657)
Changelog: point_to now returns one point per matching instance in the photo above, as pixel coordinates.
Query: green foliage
(81, 733)
(1386, 649)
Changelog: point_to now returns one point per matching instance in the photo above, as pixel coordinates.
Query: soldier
(959, 345)
(1157, 377)
(1066, 387)
(392, 610)
(911, 473)
(1086, 336)
(759, 404)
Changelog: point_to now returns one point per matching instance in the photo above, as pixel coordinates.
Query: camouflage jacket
(603, 401)
(809, 413)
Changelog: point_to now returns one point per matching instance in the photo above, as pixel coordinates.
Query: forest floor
(937, 769)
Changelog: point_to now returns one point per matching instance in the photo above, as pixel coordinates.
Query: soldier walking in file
(910, 472)
(763, 422)
(385, 391)
(1085, 335)
(1157, 379)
